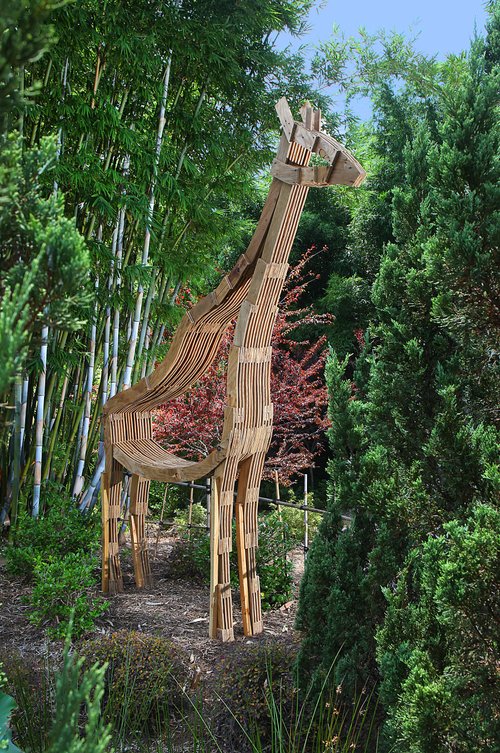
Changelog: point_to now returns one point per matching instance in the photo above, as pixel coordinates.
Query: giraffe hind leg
(139, 493)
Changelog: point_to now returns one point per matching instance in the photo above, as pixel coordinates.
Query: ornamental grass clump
(248, 676)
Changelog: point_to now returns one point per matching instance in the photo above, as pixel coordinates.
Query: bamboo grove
(136, 139)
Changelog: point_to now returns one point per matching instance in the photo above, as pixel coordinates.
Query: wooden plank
(285, 117)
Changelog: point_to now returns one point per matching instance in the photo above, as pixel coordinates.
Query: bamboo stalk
(145, 321)
(161, 330)
(116, 317)
(79, 479)
(16, 465)
(22, 417)
(54, 429)
(147, 237)
(39, 423)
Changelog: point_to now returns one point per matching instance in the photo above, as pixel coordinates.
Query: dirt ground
(174, 607)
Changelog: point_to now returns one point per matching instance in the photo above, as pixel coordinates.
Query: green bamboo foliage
(156, 109)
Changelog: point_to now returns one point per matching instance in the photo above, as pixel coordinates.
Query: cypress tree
(414, 436)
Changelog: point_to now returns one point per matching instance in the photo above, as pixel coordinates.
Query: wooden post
(241, 549)
(306, 519)
(190, 513)
(208, 495)
(139, 493)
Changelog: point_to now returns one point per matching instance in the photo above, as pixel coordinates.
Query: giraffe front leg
(221, 605)
(139, 493)
(112, 581)
(247, 515)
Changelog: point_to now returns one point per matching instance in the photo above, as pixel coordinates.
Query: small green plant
(294, 520)
(79, 688)
(60, 530)
(63, 587)
(7, 706)
(145, 679)
(274, 567)
(31, 685)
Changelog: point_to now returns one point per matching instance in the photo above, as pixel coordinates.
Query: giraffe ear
(285, 116)
(310, 117)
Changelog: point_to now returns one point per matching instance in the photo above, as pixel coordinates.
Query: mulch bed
(174, 607)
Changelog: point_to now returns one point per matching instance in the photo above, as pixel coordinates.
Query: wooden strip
(285, 117)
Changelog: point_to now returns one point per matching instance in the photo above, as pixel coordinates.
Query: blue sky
(443, 26)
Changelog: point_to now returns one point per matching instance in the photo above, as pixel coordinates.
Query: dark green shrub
(250, 677)
(60, 530)
(145, 679)
(63, 586)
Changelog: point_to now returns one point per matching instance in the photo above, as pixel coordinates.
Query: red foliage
(192, 425)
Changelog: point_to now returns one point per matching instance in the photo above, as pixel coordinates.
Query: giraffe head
(342, 168)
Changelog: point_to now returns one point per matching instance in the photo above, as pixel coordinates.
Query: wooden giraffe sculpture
(250, 292)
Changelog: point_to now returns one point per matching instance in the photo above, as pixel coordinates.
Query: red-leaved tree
(191, 425)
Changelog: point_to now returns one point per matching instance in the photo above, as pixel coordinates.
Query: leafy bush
(61, 530)
(274, 567)
(198, 518)
(273, 564)
(62, 587)
(145, 679)
(294, 520)
(56, 551)
(167, 498)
